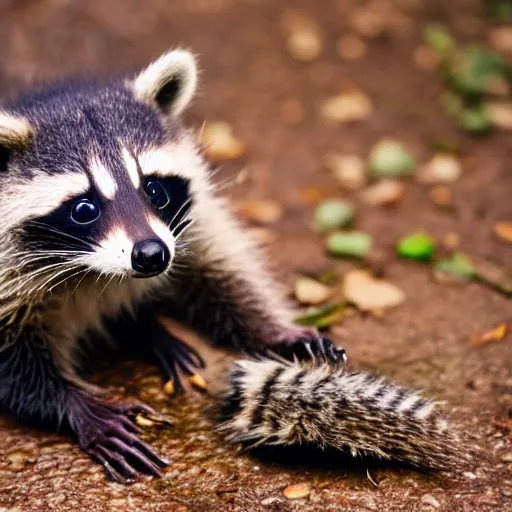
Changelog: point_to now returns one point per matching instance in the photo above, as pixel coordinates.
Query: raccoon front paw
(312, 349)
(107, 432)
(174, 357)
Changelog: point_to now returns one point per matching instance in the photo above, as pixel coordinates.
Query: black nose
(150, 256)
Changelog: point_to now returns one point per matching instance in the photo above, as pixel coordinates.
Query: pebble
(428, 499)
(440, 169)
(311, 292)
(506, 457)
(386, 192)
(348, 170)
(297, 491)
(348, 107)
(220, 143)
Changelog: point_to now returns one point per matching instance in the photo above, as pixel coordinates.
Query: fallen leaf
(322, 317)
(333, 214)
(311, 292)
(390, 159)
(442, 168)
(496, 334)
(368, 293)
(458, 265)
(348, 170)
(262, 211)
(418, 246)
(499, 114)
(386, 192)
(297, 491)
(220, 143)
(475, 119)
(355, 244)
(303, 35)
(503, 230)
(351, 106)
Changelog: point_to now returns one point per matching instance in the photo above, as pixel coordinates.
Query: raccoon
(110, 220)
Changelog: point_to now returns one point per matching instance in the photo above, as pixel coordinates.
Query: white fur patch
(114, 256)
(14, 130)
(103, 179)
(163, 232)
(131, 167)
(177, 65)
(22, 200)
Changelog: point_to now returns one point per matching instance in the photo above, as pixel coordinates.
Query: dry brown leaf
(496, 334)
(384, 193)
(348, 170)
(310, 292)
(348, 107)
(260, 211)
(297, 491)
(503, 230)
(368, 293)
(220, 143)
(442, 168)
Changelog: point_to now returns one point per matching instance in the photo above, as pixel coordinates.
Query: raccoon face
(99, 178)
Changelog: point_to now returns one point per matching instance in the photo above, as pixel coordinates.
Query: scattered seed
(351, 47)
(418, 246)
(297, 491)
(425, 58)
(311, 292)
(441, 196)
(442, 168)
(348, 170)
(389, 159)
(386, 192)
(260, 211)
(428, 499)
(292, 111)
(499, 114)
(304, 39)
(496, 334)
(220, 143)
(370, 294)
(503, 230)
(169, 388)
(333, 214)
(506, 457)
(198, 381)
(143, 422)
(353, 244)
(351, 106)
(451, 240)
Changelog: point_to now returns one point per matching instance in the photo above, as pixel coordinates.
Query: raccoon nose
(150, 256)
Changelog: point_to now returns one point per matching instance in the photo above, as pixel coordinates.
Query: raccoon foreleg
(32, 390)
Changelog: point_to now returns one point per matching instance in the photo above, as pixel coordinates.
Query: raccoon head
(99, 177)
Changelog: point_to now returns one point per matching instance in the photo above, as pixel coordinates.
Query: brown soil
(247, 74)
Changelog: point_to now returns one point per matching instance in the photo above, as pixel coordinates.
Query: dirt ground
(247, 74)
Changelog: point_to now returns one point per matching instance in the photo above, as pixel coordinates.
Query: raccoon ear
(15, 133)
(170, 82)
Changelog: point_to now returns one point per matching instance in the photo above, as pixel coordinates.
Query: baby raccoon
(108, 221)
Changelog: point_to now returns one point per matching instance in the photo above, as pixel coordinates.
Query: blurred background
(352, 136)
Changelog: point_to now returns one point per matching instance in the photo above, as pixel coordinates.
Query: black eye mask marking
(171, 199)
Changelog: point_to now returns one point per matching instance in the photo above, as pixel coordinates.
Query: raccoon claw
(107, 433)
(312, 349)
(176, 357)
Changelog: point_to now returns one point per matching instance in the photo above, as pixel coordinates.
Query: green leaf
(323, 316)
(354, 244)
(418, 246)
(389, 159)
(475, 120)
(333, 214)
(439, 39)
(458, 265)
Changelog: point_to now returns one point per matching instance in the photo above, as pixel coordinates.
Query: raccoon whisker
(67, 278)
(86, 273)
(45, 283)
(52, 229)
(184, 205)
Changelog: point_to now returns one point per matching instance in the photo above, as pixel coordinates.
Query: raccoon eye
(157, 194)
(85, 211)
